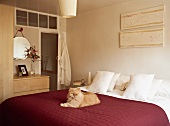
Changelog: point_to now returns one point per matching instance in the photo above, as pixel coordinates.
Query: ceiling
(51, 6)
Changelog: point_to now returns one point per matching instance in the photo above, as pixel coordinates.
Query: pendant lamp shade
(68, 8)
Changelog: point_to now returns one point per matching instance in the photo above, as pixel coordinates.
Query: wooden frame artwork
(142, 18)
(143, 38)
(23, 70)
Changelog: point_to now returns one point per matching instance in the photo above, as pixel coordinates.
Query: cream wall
(93, 42)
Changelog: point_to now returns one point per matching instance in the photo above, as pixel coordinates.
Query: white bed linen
(162, 102)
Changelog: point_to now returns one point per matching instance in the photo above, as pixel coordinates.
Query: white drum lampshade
(68, 8)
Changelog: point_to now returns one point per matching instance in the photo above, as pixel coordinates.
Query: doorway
(49, 54)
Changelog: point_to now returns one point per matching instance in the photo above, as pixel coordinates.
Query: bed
(125, 101)
(44, 109)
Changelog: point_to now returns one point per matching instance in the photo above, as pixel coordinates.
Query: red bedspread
(44, 110)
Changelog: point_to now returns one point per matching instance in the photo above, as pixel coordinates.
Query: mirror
(20, 45)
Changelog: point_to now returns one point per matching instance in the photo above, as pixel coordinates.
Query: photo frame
(23, 70)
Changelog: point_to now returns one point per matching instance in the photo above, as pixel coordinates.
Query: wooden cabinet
(30, 84)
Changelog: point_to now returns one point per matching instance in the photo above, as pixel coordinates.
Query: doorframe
(51, 31)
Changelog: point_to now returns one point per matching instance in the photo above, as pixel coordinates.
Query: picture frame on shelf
(23, 70)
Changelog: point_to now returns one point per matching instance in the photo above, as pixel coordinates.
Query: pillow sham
(154, 87)
(113, 81)
(164, 89)
(101, 82)
(139, 86)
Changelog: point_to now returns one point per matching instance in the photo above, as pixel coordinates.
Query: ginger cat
(76, 98)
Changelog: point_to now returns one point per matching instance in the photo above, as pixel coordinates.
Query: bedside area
(30, 84)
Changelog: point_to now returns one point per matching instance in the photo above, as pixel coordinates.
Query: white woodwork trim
(37, 12)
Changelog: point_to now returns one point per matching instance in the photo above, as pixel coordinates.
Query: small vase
(32, 68)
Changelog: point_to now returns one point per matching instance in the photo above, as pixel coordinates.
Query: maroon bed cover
(44, 109)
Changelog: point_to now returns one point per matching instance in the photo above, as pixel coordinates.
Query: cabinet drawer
(30, 92)
(24, 85)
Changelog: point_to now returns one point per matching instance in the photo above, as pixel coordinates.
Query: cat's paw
(62, 104)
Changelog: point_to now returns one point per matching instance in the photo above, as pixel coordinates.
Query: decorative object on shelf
(89, 78)
(32, 70)
(32, 54)
(20, 74)
(23, 70)
(68, 8)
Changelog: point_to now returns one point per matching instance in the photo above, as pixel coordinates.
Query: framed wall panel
(142, 18)
(143, 38)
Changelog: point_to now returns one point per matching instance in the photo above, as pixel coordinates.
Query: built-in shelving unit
(35, 19)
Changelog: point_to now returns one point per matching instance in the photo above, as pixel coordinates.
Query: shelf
(21, 21)
(43, 21)
(33, 19)
(33, 24)
(21, 17)
(21, 13)
(52, 22)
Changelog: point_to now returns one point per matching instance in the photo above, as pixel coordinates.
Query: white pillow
(154, 87)
(101, 82)
(164, 89)
(113, 81)
(139, 86)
